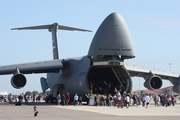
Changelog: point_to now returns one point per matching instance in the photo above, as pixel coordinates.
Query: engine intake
(153, 82)
(18, 81)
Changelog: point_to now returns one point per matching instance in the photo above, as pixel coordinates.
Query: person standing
(143, 100)
(172, 100)
(155, 100)
(119, 102)
(58, 99)
(20, 97)
(127, 98)
(95, 101)
(63, 99)
(147, 99)
(135, 100)
(76, 99)
(34, 98)
(26, 98)
(10, 97)
(80, 100)
(67, 98)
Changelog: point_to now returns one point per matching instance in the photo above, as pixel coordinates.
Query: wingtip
(89, 31)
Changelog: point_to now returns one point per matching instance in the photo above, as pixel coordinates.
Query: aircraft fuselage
(83, 75)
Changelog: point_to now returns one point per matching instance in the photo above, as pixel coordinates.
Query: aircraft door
(58, 88)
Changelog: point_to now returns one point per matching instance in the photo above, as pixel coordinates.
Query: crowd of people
(65, 99)
(19, 99)
(121, 100)
(134, 100)
(118, 99)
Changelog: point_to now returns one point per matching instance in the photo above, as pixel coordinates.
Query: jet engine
(176, 88)
(18, 81)
(153, 82)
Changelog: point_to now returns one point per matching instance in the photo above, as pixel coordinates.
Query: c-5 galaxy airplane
(100, 71)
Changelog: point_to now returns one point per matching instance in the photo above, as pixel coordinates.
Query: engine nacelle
(153, 82)
(176, 88)
(18, 81)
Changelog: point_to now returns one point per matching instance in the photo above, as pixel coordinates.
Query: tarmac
(85, 112)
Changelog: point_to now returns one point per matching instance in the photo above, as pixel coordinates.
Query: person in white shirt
(58, 99)
(76, 99)
(127, 99)
(118, 96)
(147, 99)
(159, 100)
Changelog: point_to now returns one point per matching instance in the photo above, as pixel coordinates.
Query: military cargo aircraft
(99, 72)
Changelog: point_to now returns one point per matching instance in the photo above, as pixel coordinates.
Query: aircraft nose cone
(112, 38)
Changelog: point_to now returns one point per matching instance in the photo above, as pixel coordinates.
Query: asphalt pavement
(85, 112)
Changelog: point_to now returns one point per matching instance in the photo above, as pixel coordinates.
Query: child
(35, 112)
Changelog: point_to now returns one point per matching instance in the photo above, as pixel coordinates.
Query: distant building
(165, 90)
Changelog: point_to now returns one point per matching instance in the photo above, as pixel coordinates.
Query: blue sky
(154, 26)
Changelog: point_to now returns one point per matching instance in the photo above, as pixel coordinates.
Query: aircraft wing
(34, 67)
(142, 71)
(50, 26)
